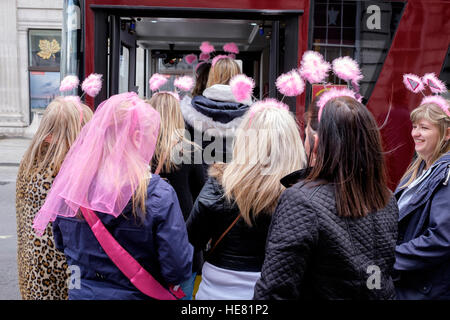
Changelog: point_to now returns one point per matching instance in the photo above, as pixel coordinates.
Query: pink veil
(107, 161)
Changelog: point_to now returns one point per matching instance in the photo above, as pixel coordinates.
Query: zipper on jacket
(448, 175)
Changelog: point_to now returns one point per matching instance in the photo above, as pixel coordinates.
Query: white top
(224, 284)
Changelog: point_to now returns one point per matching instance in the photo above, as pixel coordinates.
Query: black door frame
(102, 30)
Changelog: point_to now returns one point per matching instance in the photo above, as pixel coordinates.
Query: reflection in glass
(124, 66)
(44, 87)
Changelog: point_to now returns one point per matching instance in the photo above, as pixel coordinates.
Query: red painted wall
(419, 46)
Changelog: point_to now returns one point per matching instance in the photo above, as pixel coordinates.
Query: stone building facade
(17, 18)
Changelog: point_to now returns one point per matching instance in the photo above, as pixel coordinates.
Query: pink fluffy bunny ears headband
(90, 86)
(416, 84)
(184, 83)
(314, 69)
(207, 49)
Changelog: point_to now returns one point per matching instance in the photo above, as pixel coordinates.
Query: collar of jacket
(294, 177)
(222, 92)
(219, 118)
(439, 175)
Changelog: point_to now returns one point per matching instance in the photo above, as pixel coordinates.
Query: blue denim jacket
(159, 243)
(423, 247)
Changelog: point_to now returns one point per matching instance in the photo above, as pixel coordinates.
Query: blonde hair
(222, 72)
(58, 129)
(134, 163)
(441, 120)
(266, 148)
(171, 133)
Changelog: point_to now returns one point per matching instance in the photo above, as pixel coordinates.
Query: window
(344, 28)
(44, 54)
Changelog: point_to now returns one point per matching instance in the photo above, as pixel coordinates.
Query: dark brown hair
(350, 157)
(202, 78)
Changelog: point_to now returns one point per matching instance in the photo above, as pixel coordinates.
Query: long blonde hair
(59, 127)
(171, 139)
(441, 120)
(266, 148)
(222, 72)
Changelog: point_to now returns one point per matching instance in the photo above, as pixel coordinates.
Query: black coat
(242, 249)
(312, 253)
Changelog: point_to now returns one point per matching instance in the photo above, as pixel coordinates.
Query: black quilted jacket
(311, 253)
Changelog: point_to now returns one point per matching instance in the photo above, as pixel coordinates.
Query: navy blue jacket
(423, 247)
(159, 243)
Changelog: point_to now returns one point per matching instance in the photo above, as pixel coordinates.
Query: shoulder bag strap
(223, 234)
(140, 278)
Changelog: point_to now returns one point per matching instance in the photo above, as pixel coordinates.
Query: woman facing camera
(423, 248)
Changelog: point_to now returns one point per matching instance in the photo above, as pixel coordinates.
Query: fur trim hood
(214, 117)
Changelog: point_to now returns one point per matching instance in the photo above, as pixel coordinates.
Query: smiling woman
(423, 249)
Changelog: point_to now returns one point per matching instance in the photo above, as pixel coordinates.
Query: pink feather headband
(417, 84)
(314, 69)
(184, 83)
(90, 86)
(334, 93)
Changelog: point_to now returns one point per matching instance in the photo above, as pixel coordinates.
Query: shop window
(345, 28)
(44, 55)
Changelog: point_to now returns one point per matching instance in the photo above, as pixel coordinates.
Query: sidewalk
(11, 153)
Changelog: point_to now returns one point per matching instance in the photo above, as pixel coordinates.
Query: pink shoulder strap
(140, 278)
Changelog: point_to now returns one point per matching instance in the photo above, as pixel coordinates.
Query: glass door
(123, 56)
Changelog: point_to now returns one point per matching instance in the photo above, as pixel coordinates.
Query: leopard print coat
(43, 271)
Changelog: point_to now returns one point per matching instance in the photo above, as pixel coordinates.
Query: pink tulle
(347, 69)
(290, 84)
(439, 101)
(92, 84)
(232, 55)
(231, 47)
(313, 67)
(413, 83)
(265, 104)
(206, 47)
(332, 94)
(190, 58)
(157, 81)
(184, 83)
(106, 162)
(435, 85)
(204, 57)
(242, 87)
(217, 58)
(69, 83)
